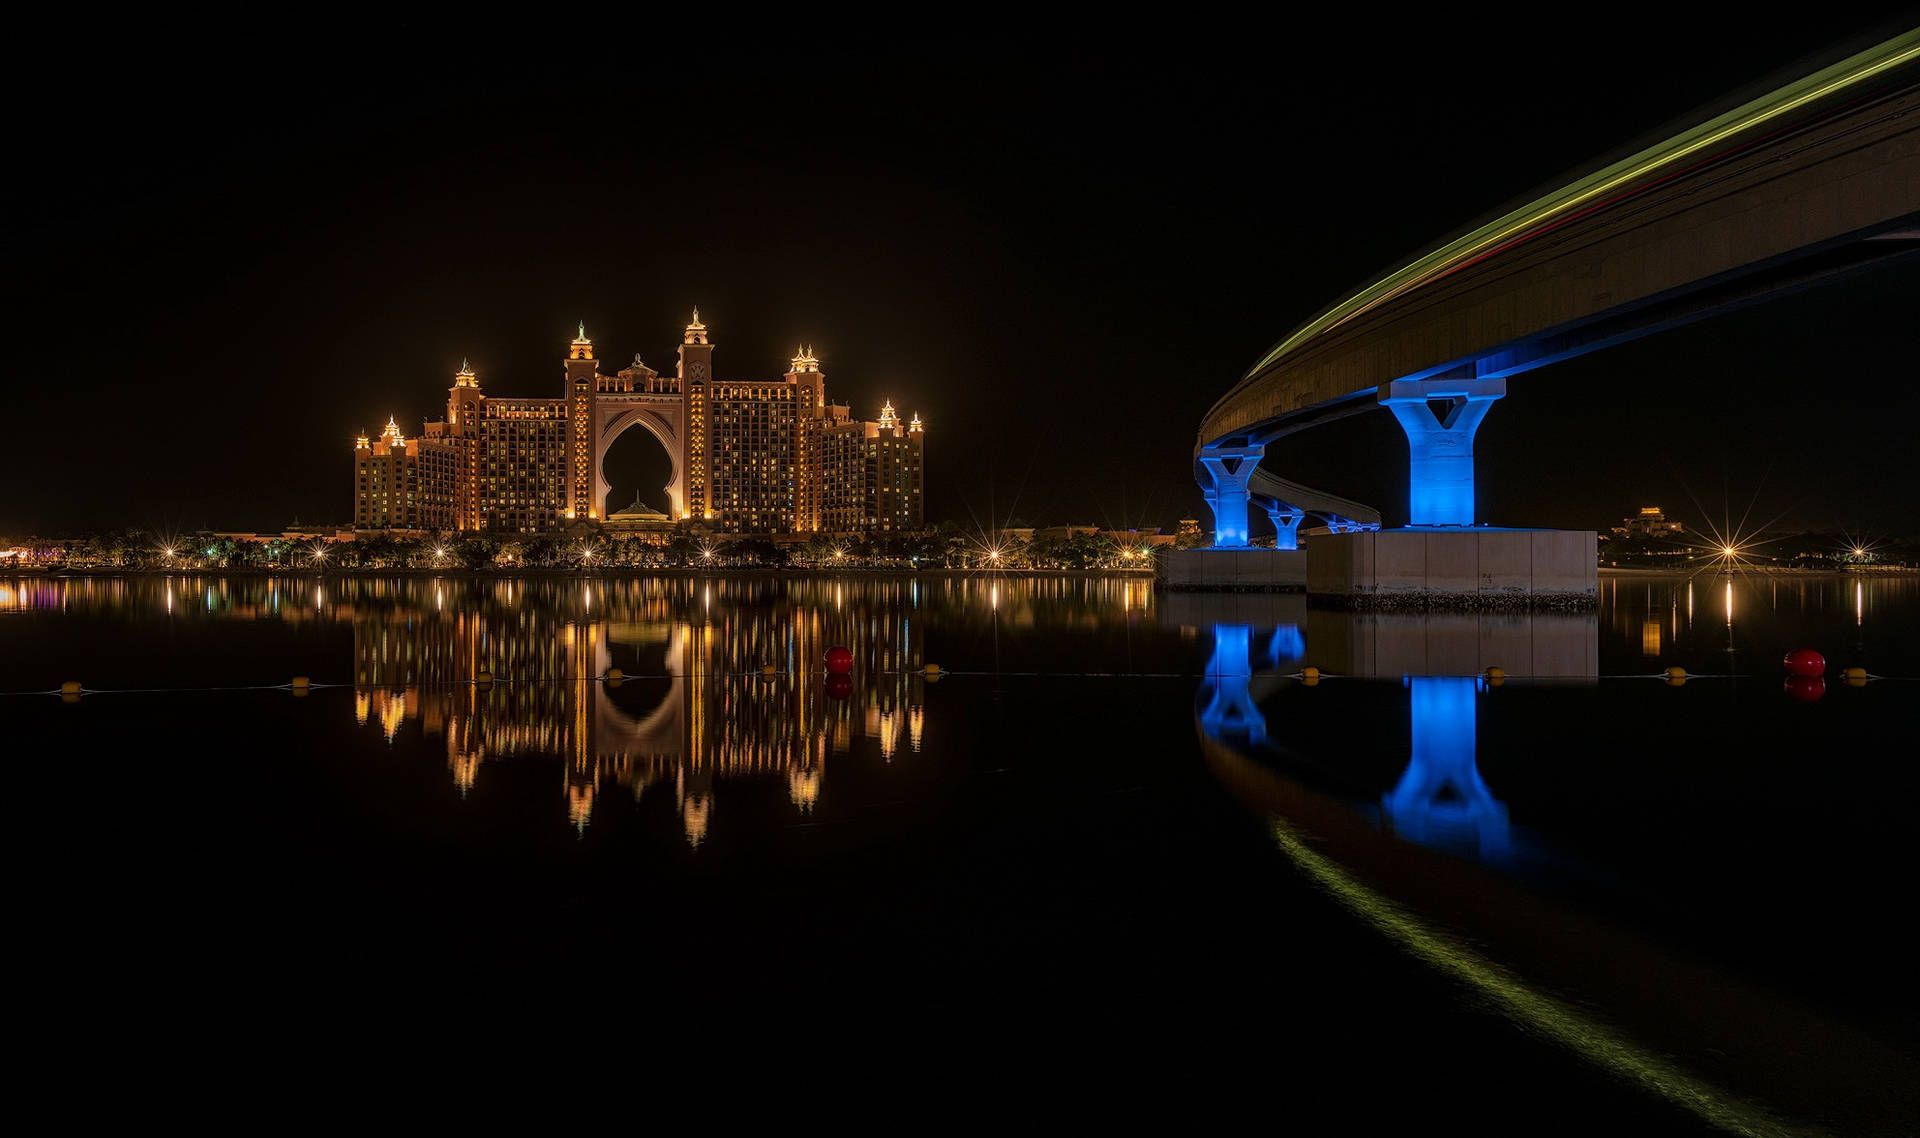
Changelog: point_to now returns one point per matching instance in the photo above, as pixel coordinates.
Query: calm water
(1122, 824)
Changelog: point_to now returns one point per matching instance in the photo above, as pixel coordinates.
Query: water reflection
(1440, 799)
(1439, 870)
(695, 710)
(1734, 623)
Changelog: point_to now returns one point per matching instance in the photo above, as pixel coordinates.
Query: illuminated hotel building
(748, 456)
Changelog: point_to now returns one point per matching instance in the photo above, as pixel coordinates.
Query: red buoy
(839, 685)
(839, 659)
(1806, 662)
(1806, 689)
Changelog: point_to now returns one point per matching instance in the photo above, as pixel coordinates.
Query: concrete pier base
(1475, 568)
(1234, 570)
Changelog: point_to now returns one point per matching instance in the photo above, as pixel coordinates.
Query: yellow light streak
(1828, 81)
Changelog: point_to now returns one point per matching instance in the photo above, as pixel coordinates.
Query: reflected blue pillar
(1440, 417)
(1228, 469)
(1286, 526)
(1230, 709)
(1287, 645)
(1440, 799)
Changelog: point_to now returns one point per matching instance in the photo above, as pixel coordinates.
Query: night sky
(231, 249)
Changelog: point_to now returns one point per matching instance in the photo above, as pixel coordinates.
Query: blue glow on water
(1230, 711)
(1441, 799)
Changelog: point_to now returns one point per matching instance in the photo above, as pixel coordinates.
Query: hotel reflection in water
(694, 710)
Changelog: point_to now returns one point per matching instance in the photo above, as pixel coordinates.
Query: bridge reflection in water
(1440, 799)
(1438, 870)
(693, 711)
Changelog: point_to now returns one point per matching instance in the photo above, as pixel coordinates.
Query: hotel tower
(762, 456)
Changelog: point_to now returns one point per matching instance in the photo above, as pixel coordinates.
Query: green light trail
(1535, 1010)
(1829, 81)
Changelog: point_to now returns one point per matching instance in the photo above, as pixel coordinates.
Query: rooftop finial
(696, 318)
(582, 338)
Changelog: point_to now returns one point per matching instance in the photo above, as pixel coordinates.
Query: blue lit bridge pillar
(1441, 799)
(1228, 469)
(1286, 526)
(1440, 417)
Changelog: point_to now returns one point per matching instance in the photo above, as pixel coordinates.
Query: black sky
(234, 247)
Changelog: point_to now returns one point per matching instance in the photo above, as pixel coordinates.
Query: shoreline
(575, 573)
(1768, 571)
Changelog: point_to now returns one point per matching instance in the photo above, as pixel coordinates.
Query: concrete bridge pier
(1228, 470)
(1440, 417)
(1286, 525)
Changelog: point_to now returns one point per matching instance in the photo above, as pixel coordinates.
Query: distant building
(1066, 532)
(1650, 522)
(749, 456)
(1139, 538)
(405, 484)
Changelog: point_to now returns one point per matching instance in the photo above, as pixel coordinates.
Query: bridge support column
(1440, 417)
(1228, 469)
(1286, 526)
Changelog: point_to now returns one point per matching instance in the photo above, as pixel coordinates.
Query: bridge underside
(1781, 194)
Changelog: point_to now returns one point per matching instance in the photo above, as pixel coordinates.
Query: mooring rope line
(918, 673)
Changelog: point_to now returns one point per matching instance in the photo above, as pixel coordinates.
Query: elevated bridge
(1807, 183)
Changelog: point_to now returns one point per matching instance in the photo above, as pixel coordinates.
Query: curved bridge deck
(1816, 180)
